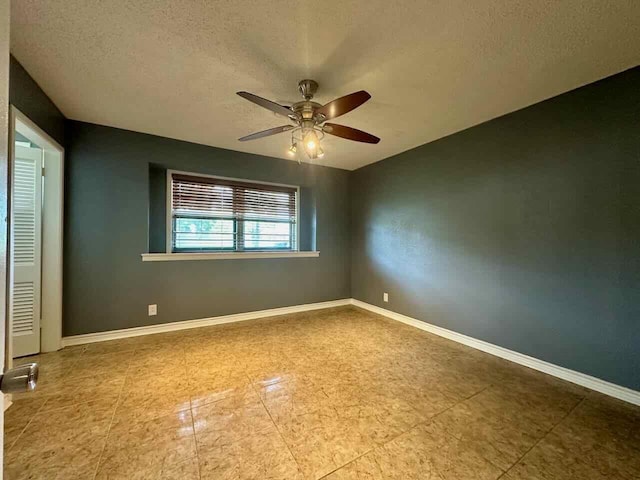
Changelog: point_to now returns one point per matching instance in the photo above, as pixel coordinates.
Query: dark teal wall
(28, 97)
(523, 231)
(108, 211)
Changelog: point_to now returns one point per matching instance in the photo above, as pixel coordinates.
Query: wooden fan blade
(343, 105)
(266, 133)
(349, 133)
(268, 104)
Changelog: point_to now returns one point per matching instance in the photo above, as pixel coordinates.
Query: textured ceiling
(433, 67)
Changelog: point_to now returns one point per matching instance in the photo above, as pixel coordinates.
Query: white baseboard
(611, 389)
(203, 322)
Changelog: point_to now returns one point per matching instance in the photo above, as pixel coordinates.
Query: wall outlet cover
(153, 310)
(385, 296)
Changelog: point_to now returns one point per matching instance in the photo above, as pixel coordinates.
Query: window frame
(169, 215)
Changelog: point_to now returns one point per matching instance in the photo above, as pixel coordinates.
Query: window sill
(168, 257)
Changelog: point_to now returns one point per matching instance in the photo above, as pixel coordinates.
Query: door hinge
(43, 171)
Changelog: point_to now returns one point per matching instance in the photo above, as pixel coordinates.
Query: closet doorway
(35, 239)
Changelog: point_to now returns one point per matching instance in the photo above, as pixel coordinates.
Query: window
(219, 214)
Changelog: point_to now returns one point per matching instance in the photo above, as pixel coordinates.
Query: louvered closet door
(26, 250)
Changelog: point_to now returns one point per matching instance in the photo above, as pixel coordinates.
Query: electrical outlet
(153, 310)
(385, 296)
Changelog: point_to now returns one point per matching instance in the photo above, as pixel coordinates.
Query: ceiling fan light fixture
(311, 144)
(308, 118)
(311, 140)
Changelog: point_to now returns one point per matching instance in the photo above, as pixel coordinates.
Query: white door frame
(52, 230)
(5, 26)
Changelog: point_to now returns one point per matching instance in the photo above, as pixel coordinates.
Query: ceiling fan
(309, 119)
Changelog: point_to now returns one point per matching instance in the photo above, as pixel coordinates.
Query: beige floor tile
(378, 414)
(452, 458)
(425, 452)
(287, 400)
(428, 400)
(207, 386)
(229, 420)
(113, 346)
(320, 439)
(75, 471)
(608, 450)
(17, 416)
(269, 372)
(80, 390)
(338, 392)
(143, 405)
(106, 365)
(188, 470)
(167, 376)
(599, 414)
(62, 360)
(502, 436)
(157, 357)
(262, 455)
(543, 408)
(459, 385)
(49, 382)
(146, 397)
(548, 461)
(213, 357)
(382, 464)
(60, 441)
(148, 449)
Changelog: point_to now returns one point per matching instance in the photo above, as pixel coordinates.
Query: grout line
(543, 437)
(362, 455)
(425, 422)
(31, 417)
(455, 405)
(39, 409)
(113, 415)
(193, 418)
(253, 387)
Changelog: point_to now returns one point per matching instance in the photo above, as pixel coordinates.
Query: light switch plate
(153, 310)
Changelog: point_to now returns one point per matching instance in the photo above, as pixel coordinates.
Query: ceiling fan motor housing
(308, 88)
(306, 110)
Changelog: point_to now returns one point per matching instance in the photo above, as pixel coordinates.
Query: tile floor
(336, 394)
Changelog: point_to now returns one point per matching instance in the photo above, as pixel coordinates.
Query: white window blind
(213, 214)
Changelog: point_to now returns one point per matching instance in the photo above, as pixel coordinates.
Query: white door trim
(5, 135)
(52, 229)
